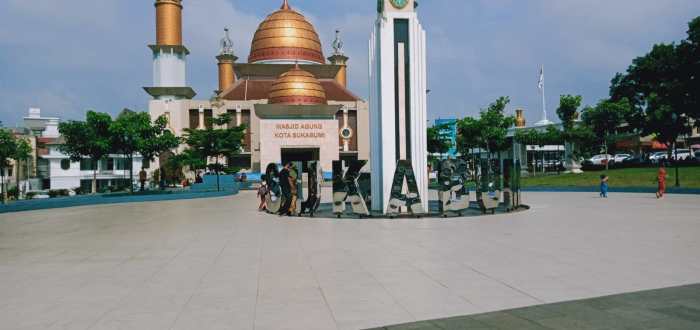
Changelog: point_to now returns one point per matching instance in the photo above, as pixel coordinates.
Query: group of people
(288, 177)
(660, 179)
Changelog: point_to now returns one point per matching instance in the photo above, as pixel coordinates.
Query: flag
(540, 84)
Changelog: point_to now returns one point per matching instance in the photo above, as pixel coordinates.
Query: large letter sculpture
(346, 188)
(404, 176)
(452, 178)
(295, 175)
(489, 194)
(274, 197)
(313, 201)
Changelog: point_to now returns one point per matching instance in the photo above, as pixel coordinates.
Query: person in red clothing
(662, 181)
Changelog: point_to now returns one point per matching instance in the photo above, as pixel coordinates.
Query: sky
(70, 56)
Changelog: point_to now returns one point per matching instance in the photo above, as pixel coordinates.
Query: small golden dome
(297, 87)
(286, 35)
(519, 118)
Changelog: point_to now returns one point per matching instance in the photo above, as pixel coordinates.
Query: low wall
(52, 203)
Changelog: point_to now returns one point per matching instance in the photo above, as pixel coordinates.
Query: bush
(13, 193)
(80, 191)
(58, 193)
(31, 194)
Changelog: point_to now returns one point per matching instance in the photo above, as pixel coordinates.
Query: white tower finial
(226, 44)
(337, 44)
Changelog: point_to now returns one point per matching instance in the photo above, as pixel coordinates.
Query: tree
(568, 107)
(604, 119)
(87, 139)
(155, 139)
(126, 130)
(494, 126)
(8, 149)
(217, 141)
(438, 144)
(22, 154)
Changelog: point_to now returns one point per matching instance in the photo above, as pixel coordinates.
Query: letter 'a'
(404, 177)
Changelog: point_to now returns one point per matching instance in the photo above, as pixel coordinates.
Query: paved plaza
(219, 264)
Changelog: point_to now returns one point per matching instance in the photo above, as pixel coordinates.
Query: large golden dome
(297, 87)
(286, 36)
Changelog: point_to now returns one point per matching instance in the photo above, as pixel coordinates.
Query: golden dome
(297, 87)
(286, 35)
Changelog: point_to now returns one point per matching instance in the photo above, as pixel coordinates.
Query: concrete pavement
(219, 264)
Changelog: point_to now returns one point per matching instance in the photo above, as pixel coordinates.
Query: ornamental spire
(226, 44)
(285, 5)
(337, 44)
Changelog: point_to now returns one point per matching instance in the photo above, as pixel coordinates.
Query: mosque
(293, 101)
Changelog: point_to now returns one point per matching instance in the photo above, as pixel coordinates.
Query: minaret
(169, 55)
(226, 58)
(340, 59)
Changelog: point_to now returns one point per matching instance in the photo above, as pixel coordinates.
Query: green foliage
(468, 134)
(606, 116)
(663, 88)
(154, 139)
(133, 132)
(24, 150)
(550, 136)
(8, 148)
(87, 139)
(495, 125)
(568, 106)
(217, 141)
(437, 144)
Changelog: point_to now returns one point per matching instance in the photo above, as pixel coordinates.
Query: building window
(87, 165)
(194, 118)
(146, 164)
(65, 164)
(123, 164)
(208, 117)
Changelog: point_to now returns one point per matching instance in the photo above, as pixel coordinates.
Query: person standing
(262, 194)
(604, 186)
(661, 178)
(293, 175)
(286, 189)
(143, 176)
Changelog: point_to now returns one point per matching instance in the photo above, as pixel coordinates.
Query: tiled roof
(258, 89)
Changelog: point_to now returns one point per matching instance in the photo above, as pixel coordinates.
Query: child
(262, 194)
(604, 186)
(661, 179)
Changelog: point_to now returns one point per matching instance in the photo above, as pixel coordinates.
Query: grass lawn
(628, 177)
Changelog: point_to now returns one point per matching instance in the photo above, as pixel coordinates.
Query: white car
(601, 159)
(619, 158)
(681, 154)
(658, 156)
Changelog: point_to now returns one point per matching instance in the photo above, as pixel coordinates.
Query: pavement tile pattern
(669, 308)
(219, 264)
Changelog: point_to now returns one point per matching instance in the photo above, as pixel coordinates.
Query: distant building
(293, 101)
(49, 168)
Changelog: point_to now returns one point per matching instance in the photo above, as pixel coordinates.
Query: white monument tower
(397, 53)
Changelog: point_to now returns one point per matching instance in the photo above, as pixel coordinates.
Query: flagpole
(544, 104)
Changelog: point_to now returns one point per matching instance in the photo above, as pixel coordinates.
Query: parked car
(620, 158)
(681, 154)
(658, 156)
(601, 159)
(635, 160)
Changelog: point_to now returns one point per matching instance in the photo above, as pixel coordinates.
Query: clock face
(399, 4)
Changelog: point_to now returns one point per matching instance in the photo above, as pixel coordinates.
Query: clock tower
(398, 108)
